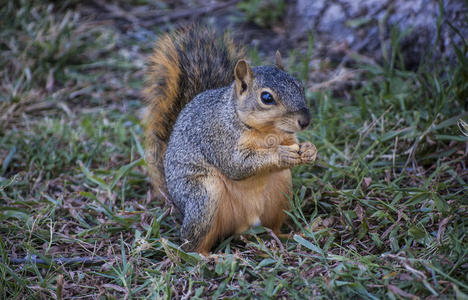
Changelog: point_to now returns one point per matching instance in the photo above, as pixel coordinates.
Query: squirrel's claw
(289, 155)
(308, 152)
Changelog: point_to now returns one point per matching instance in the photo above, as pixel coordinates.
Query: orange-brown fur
(160, 100)
(241, 203)
(167, 72)
(263, 196)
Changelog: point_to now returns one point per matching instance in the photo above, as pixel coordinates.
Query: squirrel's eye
(267, 98)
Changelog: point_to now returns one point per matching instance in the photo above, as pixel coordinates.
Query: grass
(383, 213)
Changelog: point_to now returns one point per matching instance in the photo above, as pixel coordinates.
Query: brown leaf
(60, 286)
(359, 212)
(366, 182)
(440, 231)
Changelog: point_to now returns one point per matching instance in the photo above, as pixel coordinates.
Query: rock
(367, 25)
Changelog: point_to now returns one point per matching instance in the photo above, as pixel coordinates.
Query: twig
(389, 229)
(276, 239)
(343, 76)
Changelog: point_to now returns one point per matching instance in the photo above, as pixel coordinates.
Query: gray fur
(289, 89)
(205, 137)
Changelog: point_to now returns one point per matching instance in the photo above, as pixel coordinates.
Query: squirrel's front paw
(289, 155)
(308, 152)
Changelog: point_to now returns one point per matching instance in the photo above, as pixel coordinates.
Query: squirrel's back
(183, 64)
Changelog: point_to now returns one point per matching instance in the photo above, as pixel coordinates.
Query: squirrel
(220, 135)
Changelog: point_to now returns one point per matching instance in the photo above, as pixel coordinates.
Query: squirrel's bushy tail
(183, 64)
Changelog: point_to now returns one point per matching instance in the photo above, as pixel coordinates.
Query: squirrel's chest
(245, 203)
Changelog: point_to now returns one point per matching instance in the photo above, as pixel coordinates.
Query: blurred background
(382, 214)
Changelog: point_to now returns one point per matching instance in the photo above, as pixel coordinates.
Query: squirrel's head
(269, 98)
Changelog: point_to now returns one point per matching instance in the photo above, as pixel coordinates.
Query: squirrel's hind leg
(190, 195)
(224, 218)
(203, 223)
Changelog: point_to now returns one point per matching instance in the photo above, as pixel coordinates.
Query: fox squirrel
(220, 135)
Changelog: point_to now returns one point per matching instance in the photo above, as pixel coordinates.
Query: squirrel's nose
(304, 118)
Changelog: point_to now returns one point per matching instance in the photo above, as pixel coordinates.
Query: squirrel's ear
(279, 60)
(244, 76)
